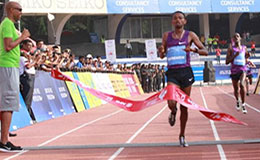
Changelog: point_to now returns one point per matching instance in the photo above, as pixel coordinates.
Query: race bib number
(240, 60)
(176, 55)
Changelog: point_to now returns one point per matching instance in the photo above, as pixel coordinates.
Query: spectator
(202, 39)
(253, 48)
(80, 63)
(137, 70)
(71, 62)
(129, 48)
(218, 54)
(163, 76)
(27, 76)
(248, 36)
(215, 41)
(40, 46)
(210, 41)
(43, 65)
(102, 39)
(107, 64)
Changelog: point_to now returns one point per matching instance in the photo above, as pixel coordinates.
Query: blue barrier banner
(81, 91)
(198, 72)
(223, 72)
(132, 6)
(186, 6)
(40, 105)
(63, 96)
(21, 118)
(50, 94)
(232, 6)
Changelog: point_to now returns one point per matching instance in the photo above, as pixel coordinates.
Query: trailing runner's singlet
(176, 56)
(239, 63)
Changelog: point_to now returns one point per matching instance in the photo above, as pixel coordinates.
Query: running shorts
(182, 77)
(237, 76)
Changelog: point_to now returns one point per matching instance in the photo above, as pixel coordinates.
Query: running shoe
(183, 143)
(244, 109)
(9, 147)
(238, 106)
(12, 134)
(172, 117)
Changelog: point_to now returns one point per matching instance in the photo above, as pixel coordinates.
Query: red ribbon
(170, 92)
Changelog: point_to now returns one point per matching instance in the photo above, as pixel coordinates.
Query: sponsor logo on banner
(129, 82)
(151, 49)
(132, 6)
(74, 92)
(63, 6)
(186, 6)
(235, 5)
(110, 50)
(22, 118)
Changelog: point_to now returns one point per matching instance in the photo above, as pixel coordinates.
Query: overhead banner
(232, 6)
(186, 6)
(132, 6)
(110, 48)
(151, 49)
(136, 6)
(63, 6)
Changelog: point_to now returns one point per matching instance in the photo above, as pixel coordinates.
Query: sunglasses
(19, 9)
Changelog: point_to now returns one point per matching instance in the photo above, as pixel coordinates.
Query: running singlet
(248, 69)
(176, 56)
(239, 63)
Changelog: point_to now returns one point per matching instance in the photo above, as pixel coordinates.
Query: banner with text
(21, 118)
(151, 49)
(238, 6)
(110, 48)
(132, 6)
(75, 95)
(186, 6)
(63, 6)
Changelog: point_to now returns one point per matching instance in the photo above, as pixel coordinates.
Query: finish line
(125, 145)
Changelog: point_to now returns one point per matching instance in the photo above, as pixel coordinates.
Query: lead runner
(176, 46)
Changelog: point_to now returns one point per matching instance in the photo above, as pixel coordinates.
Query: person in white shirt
(27, 75)
(129, 48)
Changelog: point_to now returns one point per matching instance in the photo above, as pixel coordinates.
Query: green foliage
(37, 25)
(79, 23)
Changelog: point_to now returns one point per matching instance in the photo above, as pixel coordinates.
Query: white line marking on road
(66, 133)
(230, 95)
(214, 129)
(136, 133)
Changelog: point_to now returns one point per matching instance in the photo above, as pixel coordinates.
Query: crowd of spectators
(43, 57)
